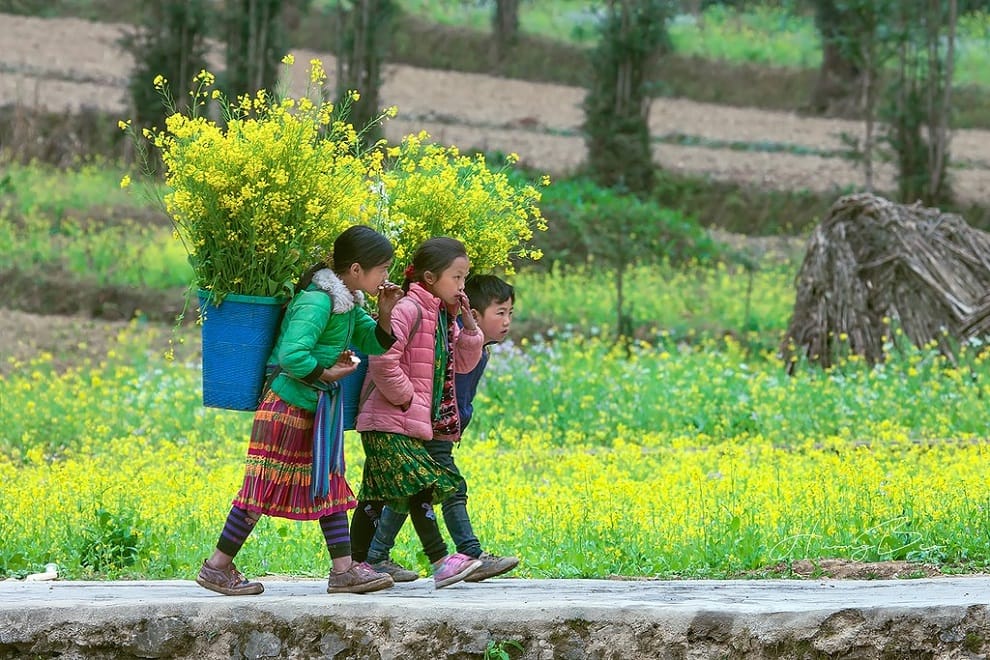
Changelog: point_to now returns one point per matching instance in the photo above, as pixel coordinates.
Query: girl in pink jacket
(408, 397)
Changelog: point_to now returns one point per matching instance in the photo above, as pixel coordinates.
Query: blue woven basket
(238, 336)
(350, 390)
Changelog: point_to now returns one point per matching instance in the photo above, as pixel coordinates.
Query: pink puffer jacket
(404, 373)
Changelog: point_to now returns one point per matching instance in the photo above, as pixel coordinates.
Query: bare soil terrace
(65, 64)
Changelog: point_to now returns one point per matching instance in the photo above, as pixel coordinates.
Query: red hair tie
(409, 272)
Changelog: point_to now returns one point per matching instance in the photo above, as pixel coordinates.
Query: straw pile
(872, 266)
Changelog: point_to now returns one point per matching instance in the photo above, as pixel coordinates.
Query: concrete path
(925, 618)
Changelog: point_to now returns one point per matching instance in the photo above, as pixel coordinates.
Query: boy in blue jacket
(491, 300)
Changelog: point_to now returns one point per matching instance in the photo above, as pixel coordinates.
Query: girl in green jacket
(295, 463)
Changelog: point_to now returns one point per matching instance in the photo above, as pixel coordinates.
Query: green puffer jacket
(313, 336)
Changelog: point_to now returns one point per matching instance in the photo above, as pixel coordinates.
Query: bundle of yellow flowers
(259, 197)
(426, 189)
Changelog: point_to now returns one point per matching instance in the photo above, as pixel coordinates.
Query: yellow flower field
(584, 458)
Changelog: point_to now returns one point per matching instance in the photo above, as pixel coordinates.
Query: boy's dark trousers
(455, 514)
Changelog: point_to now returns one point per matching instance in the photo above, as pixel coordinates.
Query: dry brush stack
(872, 265)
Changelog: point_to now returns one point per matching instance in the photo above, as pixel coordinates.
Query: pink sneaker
(453, 568)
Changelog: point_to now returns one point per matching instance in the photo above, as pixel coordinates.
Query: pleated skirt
(277, 472)
(396, 467)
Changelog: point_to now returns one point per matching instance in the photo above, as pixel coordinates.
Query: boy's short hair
(485, 290)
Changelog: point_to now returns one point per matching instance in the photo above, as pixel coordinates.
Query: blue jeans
(455, 515)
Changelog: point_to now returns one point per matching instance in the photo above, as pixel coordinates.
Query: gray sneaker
(492, 565)
(398, 572)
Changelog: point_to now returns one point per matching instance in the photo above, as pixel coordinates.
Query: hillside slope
(64, 64)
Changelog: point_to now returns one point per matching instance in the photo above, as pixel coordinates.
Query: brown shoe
(398, 572)
(358, 579)
(228, 581)
(492, 565)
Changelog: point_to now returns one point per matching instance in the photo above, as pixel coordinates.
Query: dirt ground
(24, 337)
(71, 63)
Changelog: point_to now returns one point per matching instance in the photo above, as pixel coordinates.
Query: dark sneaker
(398, 572)
(454, 568)
(358, 579)
(492, 565)
(227, 581)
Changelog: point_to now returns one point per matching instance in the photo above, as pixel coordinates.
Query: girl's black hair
(434, 255)
(355, 245)
(363, 246)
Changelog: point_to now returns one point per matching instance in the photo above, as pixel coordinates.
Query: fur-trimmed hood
(319, 324)
(343, 298)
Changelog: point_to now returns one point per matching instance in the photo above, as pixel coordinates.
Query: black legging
(365, 520)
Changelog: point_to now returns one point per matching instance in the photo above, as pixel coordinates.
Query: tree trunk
(918, 130)
(939, 97)
(869, 94)
(620, 324)
(505, 29)
(617, 105)
(185, 72)
(171, 41)
(254, 45)
(364, 46)
(837, 89)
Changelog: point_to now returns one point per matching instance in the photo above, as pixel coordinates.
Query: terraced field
(70, 63)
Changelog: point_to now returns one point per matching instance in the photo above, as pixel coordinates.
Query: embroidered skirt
(396, 467)
(279, 460)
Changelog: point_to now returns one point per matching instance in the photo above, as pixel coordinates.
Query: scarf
(446, 425)
(328, 441)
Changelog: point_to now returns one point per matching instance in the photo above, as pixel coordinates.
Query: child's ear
(355, 269)
(476, 315)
